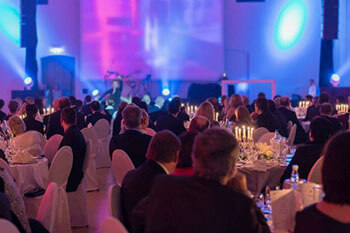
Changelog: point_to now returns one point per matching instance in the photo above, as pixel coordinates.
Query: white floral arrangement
(265, 150)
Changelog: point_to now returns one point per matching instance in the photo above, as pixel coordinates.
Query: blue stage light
(28, 81)
(290, 24)
(10, 22)
(95, 92)
(166, 91)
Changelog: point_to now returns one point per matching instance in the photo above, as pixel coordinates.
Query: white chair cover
(121, 164)
(5, 166)
(102, 156)
(48, 207)
(292, 134)
(111, 129)
(315, 175)
(78, 200)
(114, 209)
(258, 133)
(112, 225)
(51, 147)
(266, 138)
(90, 175)
(7, 226)
(59, 172)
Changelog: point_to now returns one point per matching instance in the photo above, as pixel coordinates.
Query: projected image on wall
(168, 39)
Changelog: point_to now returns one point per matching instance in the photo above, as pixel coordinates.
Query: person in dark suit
(73, 138)
(199, 124)
(307, 155)
(117, 123)
(81, 124)
(133, 141)
(162, 157)
(282, 120)
(86, 110)
(170, 121)
(265, 118)
(314, 110)
(13, 107)
(157, 111)
(96, 114)
(326, 112)
(54, 121)
(203, 202)
(116, 91)
(2, 114)
(300, 136)
(30, 121)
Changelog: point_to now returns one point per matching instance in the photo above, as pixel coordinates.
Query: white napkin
(257, 165)
(311, 193)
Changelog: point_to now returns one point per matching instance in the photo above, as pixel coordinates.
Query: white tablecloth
(31, 176)
(257, 180)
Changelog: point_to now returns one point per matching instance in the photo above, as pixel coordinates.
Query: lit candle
(217, 116)
(44, 110)
(191, 108)
(244, 133)
(236, 132)
(248, 132)
(252, 133)
(195, 108)
(240, 134)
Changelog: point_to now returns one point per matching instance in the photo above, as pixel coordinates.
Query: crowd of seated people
(202, 158)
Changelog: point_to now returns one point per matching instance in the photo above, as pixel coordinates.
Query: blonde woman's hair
(206, 109)
(16, 125)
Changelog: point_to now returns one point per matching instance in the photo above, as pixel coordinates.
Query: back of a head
(72, 100)
(136, 100)
(88, 99)
(271, 106)
(242, 114)
(324, 98)
(121, 107)
(164, 147)
(336, 170)
(147, 99)
(215, 153)
(16, 125)
(326, 109)
(79, 104)
(63, 103)
(206, 109)
(309, 98)
(320, 129)
(143, 105)
(261, 103)
(185, 156)
(29, 100)
(95, 106)
(199, 124)
(13, 106)
(69, 116)
(159, 101)
(56, 104)
(132, 116)
(174, 107)
(214, 101)
(262, 95)
(236, 101)
(31, 110)
(284, 102)
(2, 103)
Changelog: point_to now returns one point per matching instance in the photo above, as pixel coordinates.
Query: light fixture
(28, 81)
(335, 80)
(166, 91)
(95, 92)
(57, 50)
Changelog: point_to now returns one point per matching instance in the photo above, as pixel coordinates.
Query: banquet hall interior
(174, 116)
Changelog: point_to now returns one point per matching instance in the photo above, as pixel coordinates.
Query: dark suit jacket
(134, 143)
(171, 123)
(32, 124)
(312, 112)
(300, 136)
(336, 126)
(75, 139)
(305, 157)
(93, 118)
(117, 125)
(192, 204)
(268, 121)
(54, 123)
(2, 116)
(137, 185)
(86, 110)
(154, 116)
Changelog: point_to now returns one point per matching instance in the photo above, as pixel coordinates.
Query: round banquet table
(257, 180)
(31, 176)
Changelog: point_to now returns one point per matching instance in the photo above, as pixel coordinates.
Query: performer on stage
(115, 92)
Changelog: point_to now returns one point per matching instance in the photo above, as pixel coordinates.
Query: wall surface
(267, 34)
(58, 25)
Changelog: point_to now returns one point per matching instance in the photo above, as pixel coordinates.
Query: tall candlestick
(244, 133)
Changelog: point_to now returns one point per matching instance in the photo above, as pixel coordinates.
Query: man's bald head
(199, 124)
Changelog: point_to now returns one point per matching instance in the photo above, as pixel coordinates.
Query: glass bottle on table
(295, 176)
